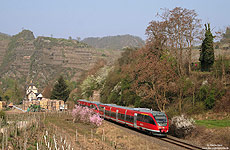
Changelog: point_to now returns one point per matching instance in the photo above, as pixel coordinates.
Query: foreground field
(57, 130)
(106, 136)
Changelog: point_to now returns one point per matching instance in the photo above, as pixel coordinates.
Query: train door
(110, 112)
(135, 120)
(125, 114)
(104, 111)
(117, 115)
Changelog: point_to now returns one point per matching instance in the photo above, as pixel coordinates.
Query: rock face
(43, 59)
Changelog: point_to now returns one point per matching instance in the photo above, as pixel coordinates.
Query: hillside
(114, 42)
(4, 36)
(43, 59)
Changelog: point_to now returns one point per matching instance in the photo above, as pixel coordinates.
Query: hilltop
(24, 58)
(4, 36)
(114, 42)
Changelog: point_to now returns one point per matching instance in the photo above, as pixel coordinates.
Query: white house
(32, 93)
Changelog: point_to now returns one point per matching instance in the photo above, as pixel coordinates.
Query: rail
(180, 143)
(168, 139)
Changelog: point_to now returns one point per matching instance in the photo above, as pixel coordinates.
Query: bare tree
(178, 30)
(152, 76)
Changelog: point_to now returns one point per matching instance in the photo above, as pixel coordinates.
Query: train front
(162, 122)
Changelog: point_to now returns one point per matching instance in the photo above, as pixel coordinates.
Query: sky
(98, 18)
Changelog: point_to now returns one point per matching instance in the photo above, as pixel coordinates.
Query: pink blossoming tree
(86, 115)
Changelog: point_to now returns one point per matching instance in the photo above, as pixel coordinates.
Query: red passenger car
(153, 122)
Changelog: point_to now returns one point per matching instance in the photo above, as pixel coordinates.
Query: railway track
(180, 143)
(172, 143)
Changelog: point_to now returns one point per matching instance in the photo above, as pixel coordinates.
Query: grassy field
(213, 123)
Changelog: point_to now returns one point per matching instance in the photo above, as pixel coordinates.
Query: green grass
(213, 123)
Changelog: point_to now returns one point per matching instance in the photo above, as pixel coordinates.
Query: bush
(181, 126)
(86, 115)
(95, 119)
(209, 94)
(172, 111)
(198, 108)
(223, 105)
(220, 64)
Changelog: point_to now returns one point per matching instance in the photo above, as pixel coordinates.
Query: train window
(93, 106)
(113, 114)
(145, 118)
(129, 118)
(107, 113)
(101, 108)
(161, 120)
(121, 116)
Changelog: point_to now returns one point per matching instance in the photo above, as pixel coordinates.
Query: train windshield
(161, 119)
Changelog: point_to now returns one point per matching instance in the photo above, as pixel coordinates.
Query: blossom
(86, 115)
(181, 126)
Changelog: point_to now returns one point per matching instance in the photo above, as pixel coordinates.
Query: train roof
(146, 110)
(94, 102)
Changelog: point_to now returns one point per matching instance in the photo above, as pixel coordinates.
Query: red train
(153, 122)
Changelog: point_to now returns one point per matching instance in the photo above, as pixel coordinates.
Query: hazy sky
(87, 18)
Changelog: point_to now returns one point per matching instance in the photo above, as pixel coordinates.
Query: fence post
(76, 135)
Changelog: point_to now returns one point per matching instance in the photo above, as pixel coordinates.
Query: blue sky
(97, 18)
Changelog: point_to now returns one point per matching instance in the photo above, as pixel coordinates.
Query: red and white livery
(144, 119)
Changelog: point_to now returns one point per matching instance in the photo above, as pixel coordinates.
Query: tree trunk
(223, 72)
(189, 59)
(193, 98)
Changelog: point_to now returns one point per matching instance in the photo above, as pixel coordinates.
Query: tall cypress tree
(207, 50)
(60, 90)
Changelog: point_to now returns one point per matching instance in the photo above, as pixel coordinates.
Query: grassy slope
(213, 123)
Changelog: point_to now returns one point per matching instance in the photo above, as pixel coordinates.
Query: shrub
(172, 111)
(209, 94)
(95, 119)
(86, 115)
(198, 108)
(76, 112)
(181, 126)
(223, 105)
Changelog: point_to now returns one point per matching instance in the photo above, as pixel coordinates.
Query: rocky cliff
(43, 59)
